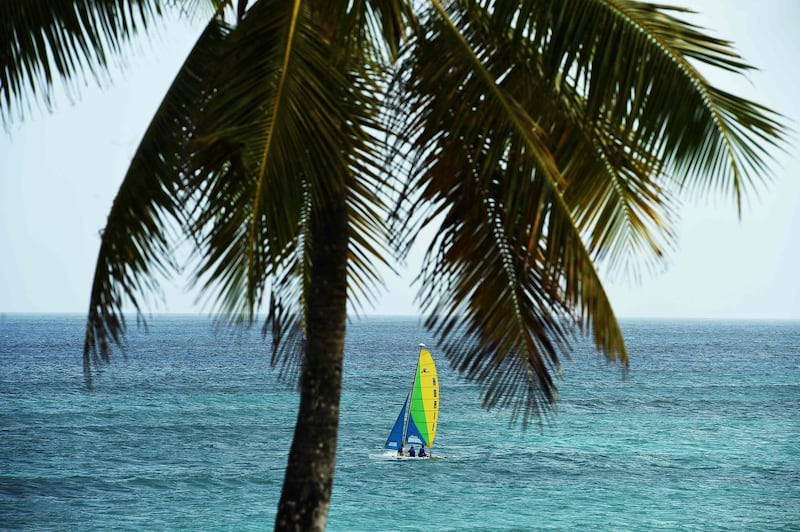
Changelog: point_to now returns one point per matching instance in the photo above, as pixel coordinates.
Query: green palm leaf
(633, 63)
(510, 268)
(288, 127)
(45, 41)
(135, 243)
(558, 116)
(618, 199)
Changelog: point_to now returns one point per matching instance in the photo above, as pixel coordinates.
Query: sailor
(400, 451)
(422, 451)
(412, 452)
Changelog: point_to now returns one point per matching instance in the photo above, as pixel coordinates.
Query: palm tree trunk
(309, 473)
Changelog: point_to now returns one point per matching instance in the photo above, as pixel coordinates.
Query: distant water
(191, 431)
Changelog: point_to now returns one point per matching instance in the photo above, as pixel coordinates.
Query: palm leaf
(292, 123)
(510, 268)
(46, 40)
(634, 63)
(564, 122)
(618, 198)
(135, 244)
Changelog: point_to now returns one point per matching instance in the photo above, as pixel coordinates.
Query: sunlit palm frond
(625, 210)
(501, 318)
(618, 198)
(634, 63)
(135, 244)
(509, 272)
(385, 24)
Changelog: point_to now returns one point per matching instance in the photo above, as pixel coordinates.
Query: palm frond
(618, 198)
(512, 276)
(252, 190)
(385, 22)
(291, 124)
(567, 121)
(135, 243)
(288, 305)
(635, 65)
(45, 41)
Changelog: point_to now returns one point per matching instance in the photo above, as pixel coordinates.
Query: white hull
(392, 455)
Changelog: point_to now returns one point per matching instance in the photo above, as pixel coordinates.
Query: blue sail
(413, 435)
(395, 439)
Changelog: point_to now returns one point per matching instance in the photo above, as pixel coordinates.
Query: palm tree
(302, 143)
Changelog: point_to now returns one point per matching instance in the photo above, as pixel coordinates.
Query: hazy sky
(59, 173)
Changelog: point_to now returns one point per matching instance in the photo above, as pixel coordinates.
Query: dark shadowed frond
(74, 40)
(370, 187)
(44, 41)
(135, 244)
(288, 304)
(250, 158)
(292, 121)
(205, 9)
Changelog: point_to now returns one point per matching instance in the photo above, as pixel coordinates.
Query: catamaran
(419, 417)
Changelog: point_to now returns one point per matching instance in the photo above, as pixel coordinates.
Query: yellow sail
(424, 407)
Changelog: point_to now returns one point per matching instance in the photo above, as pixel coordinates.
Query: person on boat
(400, 451)
(422, 453)
(412, 452)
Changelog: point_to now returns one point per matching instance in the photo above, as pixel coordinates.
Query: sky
(60, 170)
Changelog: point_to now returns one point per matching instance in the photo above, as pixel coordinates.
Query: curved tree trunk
(309, 473)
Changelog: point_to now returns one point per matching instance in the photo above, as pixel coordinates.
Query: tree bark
(308, 483)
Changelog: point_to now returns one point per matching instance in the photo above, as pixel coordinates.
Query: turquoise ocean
(189, 430)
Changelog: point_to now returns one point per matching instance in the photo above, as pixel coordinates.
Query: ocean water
(190, 431)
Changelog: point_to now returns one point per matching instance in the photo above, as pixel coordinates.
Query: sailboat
(419, 417)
